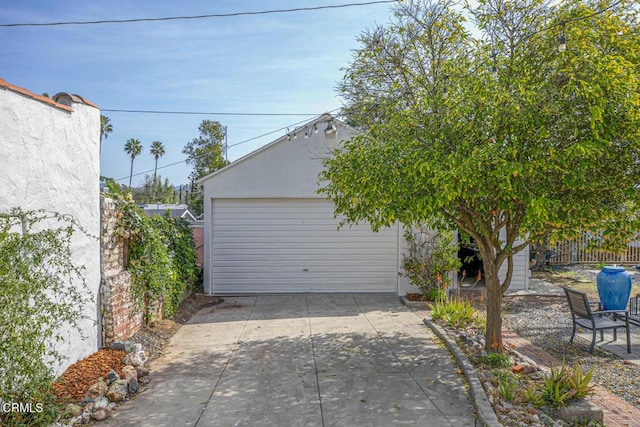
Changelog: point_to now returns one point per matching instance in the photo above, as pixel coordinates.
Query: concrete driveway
(302, 360)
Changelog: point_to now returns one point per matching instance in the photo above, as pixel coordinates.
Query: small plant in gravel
(564, 383)
(498, 360)
(533, 396)
(507, 385)
(530, 394)
(458, 313)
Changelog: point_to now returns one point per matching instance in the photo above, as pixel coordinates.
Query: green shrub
(430, 258)
(507, 385)
(458, 313)
(563, 384)
(42, 296)
(533, 396)
(498, 360)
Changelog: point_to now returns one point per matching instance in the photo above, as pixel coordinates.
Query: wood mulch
(73, 384)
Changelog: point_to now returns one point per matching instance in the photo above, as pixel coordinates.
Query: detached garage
(292, 245)
(266, 230)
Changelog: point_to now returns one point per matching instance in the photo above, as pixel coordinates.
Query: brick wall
(120, 318)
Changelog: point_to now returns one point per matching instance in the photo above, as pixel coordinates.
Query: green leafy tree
(501, 136)
(157, 151)
(155, 190)
(105, 128)
(133, 148)
(205, 154)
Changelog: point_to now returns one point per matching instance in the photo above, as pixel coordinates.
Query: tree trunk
(131, 173)
(493, 335)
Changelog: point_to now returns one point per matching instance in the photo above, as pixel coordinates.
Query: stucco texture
(50, 161)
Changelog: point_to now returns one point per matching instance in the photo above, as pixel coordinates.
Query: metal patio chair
(597, 320)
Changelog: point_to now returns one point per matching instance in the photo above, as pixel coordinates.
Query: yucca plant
(507, 385)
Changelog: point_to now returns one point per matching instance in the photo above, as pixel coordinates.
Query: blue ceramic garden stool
(614, 288)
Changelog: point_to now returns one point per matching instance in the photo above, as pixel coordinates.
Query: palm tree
(157, 150)
(105, 128)
(133, 148)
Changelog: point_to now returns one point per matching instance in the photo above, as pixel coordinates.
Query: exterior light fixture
(331, 131)
(288, 135)
(306, 133)
(562, 41)
(315, 128)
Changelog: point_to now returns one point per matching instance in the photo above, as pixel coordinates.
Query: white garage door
(293, 245)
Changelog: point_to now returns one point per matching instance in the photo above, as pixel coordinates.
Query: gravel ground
(546, 322)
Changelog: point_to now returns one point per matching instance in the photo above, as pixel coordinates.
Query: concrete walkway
(302, 360)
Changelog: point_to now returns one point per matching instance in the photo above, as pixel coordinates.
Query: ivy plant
(162, 258)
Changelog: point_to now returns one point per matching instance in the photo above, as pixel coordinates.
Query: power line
(215, 15)
(198, 113)
(232, 145)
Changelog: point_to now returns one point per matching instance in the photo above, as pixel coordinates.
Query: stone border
(484, 410)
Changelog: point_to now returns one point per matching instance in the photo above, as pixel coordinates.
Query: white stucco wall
(50, 161)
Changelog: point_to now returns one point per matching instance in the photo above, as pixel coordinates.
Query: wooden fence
(577, 251)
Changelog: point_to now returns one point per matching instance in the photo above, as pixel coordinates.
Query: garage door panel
(293, 245)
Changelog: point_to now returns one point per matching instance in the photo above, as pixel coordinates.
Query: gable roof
(56, 102)
(315, 123)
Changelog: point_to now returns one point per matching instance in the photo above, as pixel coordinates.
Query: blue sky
(274, 63)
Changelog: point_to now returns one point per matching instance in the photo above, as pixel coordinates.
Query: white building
(50, 160)
(267, 230)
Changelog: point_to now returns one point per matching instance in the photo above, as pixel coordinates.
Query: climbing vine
(43, 295)
(162, 258)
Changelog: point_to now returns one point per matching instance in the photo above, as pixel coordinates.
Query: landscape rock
(127, 346)
(129, 372)
(135, 359)
(145, 380)
(580, 409)
(120, 345)
(100, 403)
(133, 386)
(100, 415)
(112, 376)
(86, 416)
(118, 391)
(99, 389)
(142, 372)
(72, 410)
